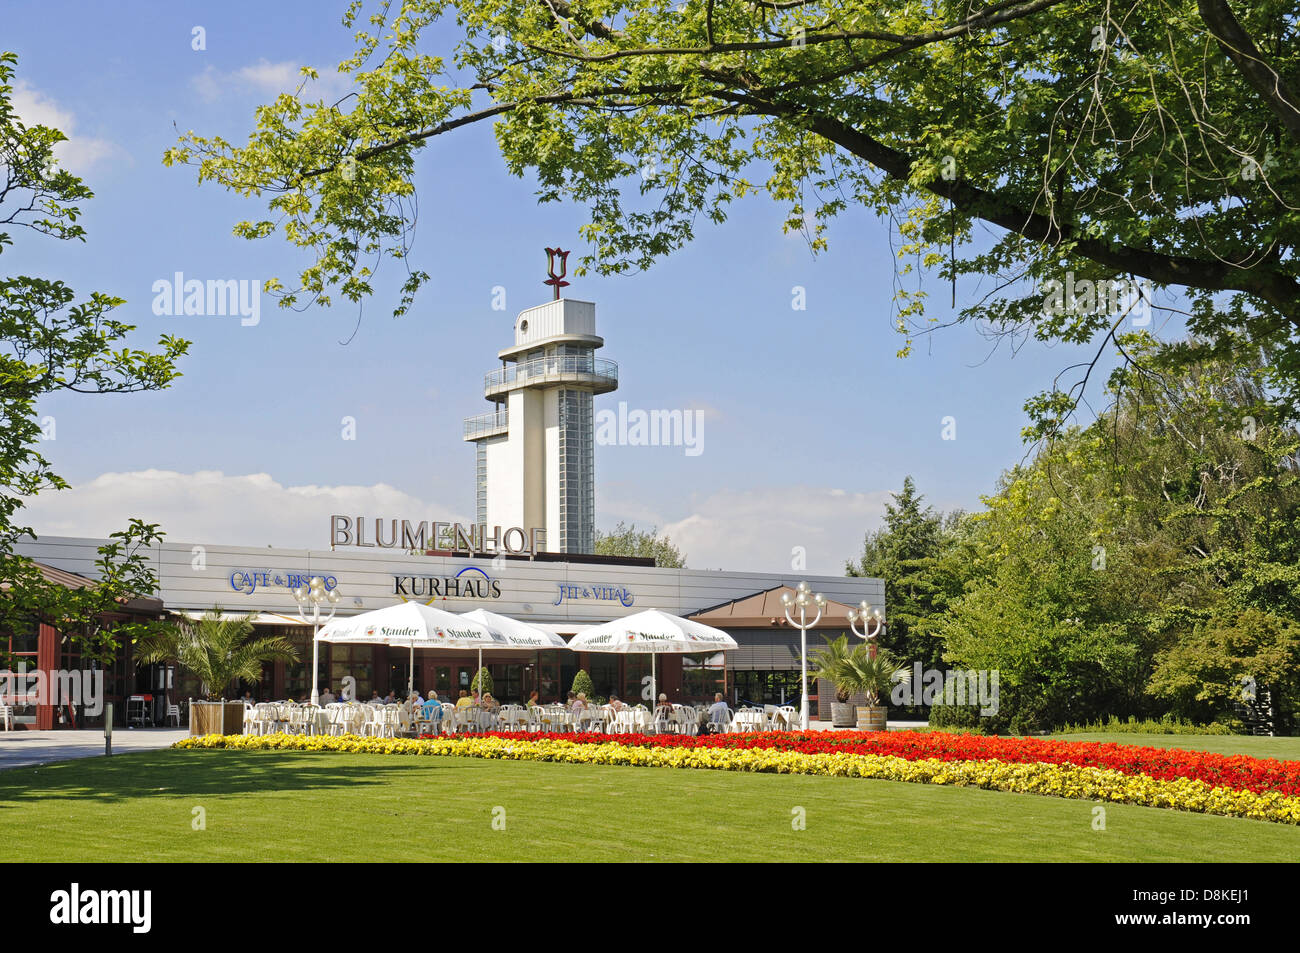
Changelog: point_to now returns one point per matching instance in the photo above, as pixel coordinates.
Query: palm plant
(216, 650)
(832, 664)
(874, 676)
(853, 670)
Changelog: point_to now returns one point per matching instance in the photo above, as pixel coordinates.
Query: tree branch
(1259, 75)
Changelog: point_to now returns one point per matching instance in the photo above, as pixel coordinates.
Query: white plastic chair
(722, 721)
(7, 715)
(687, 720)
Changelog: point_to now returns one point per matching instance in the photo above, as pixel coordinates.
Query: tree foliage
(1139, 565)
(906, 553)
(1144, 141)
(625, 540)
(51, 341)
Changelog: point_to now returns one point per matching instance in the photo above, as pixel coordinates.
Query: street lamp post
(802, 598)
(314, 594)
(872, 625)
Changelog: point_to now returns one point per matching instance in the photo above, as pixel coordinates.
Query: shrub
(1168, 725)
(954, 716)
(482, 682)
(582, 684)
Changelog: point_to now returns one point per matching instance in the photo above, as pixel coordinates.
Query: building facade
(561, 594)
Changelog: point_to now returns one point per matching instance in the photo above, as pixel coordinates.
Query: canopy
(410, 624)
(652, 632)
(516, 635)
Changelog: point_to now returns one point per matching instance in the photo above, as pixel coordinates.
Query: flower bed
(1239, 772)
(835, 757)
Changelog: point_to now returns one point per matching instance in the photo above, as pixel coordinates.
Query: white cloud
(80, 152)
(269, 79)
(757, 530)
(213, 507)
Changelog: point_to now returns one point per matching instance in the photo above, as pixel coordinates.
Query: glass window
(636, 679)
(702, 675)
(603, 670)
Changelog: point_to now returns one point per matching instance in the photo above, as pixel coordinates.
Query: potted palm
(856, 671)
(218, 651)
(832, 663)
(873, 674)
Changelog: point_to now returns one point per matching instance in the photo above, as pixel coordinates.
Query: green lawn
(1285, 749)
(342, 807)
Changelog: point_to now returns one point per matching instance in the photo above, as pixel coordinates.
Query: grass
(1285, 749)
(309, 806)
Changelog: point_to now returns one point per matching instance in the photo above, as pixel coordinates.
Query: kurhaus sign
(470, 583)
(425, 535)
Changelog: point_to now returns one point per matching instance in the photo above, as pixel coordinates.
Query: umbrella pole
(654, 696)
(410, 675)
(477, 677)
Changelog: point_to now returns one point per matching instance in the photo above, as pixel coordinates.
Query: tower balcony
(597, 373)
(487, 425)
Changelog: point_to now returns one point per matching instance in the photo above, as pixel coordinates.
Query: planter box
(841, 715)
(873, 718)
(216, 718)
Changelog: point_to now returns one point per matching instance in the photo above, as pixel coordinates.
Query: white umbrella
(512, 634)
(653, 632)
(410, 624)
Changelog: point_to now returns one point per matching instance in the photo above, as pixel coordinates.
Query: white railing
(486, 424)
(586, 369)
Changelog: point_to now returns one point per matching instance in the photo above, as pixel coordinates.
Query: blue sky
(810, 418)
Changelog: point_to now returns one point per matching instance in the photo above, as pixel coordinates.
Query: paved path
(22, 748)
(893, 726)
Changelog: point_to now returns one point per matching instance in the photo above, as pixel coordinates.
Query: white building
(536, 448)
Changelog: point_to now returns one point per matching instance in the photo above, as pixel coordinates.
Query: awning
(259, 618)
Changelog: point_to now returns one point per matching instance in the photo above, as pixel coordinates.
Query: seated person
(718, 711)
(533, 699)
(663, 711)
(489, 702)
(464, 701)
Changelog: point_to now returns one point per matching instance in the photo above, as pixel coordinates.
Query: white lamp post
(872, 625)
(802, 598)
(314, 594)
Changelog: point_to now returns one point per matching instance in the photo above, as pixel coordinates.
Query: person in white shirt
(718, 711)
(327, 697)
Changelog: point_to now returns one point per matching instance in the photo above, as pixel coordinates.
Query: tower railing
(568, 368)
(487, 425)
